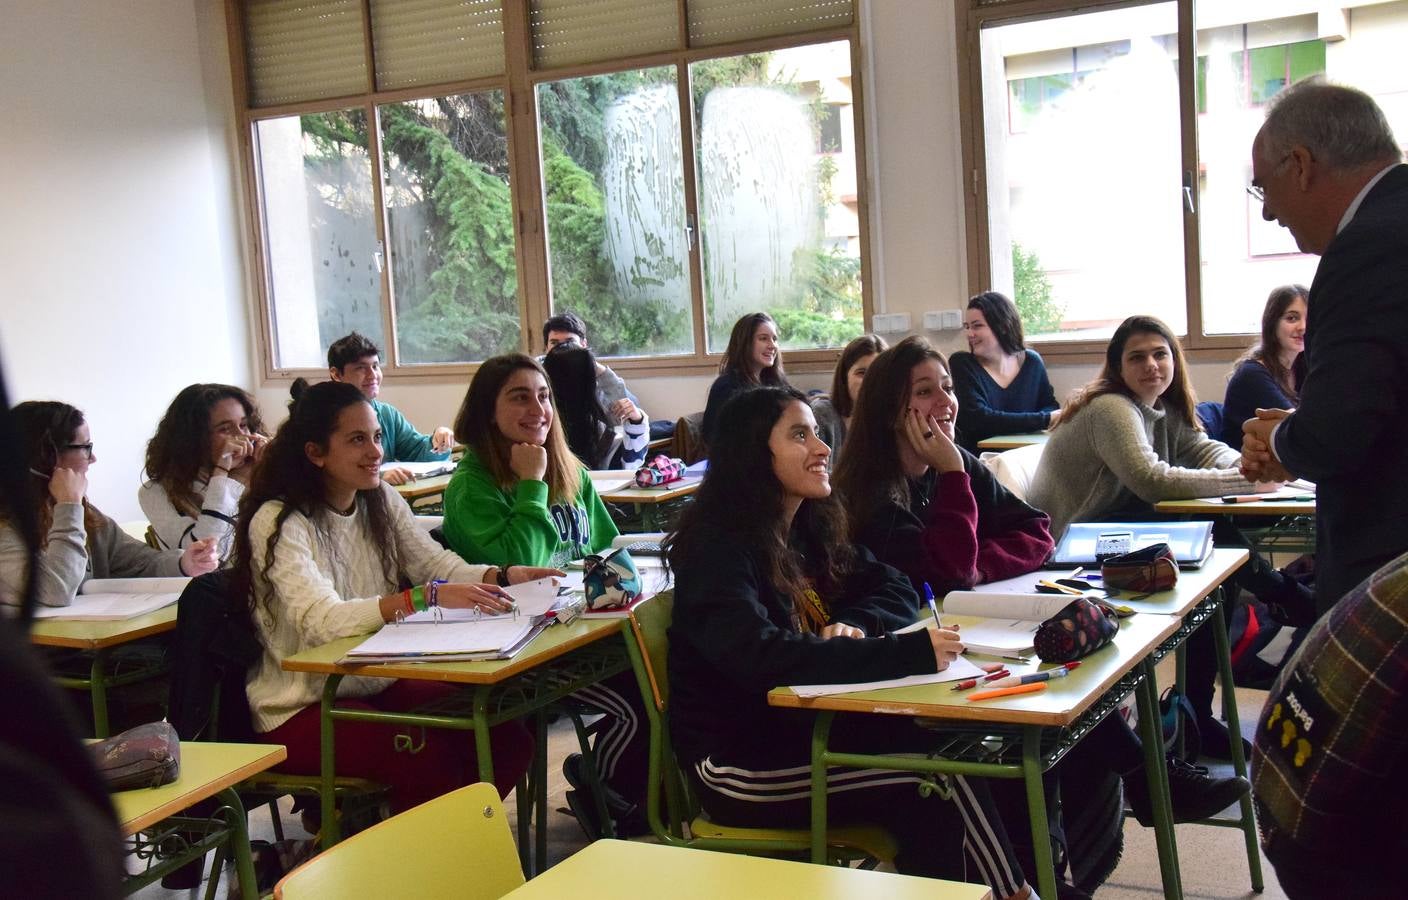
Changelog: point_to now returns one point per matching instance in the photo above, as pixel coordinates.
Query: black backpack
(214, 647)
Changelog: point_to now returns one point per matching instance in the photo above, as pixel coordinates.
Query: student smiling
(753, 358)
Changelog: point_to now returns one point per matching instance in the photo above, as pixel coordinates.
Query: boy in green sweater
(356, 360)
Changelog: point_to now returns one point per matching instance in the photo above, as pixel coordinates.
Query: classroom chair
(667, 814)
(689, 438)
(456, 846)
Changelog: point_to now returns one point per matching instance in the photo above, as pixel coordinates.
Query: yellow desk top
(206, 769)
(1215, 506)
(555, 641)
(1193, 584)
(1013, 441)
(1064, 699)
(614, 870)
(423, 487)
(617, 486)
(100, 635)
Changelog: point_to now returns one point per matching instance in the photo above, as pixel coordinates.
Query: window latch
(689, 230)
(379, 257)
(1188, 192)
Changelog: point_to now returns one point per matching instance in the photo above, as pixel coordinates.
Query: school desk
(1012, 441)
(425, 495)
(151, 824)
(617, 486)
(98, 640)
(560, 660)
(1289, 524)
(612, 870)
(1022, 736)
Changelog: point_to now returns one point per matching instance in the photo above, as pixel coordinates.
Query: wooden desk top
(555, 641)
(617, 486)
(206, 770)
(1060, 704)
(1065, 699)
(1214, 506)
(610, 870)
(1193, 584)
(423, 487)
(100, 635)
(1013, 441)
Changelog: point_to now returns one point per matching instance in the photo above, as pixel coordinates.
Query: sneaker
(627, 818)
(1193, 793)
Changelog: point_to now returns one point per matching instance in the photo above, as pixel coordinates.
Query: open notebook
(1009, 621)
(114, 599)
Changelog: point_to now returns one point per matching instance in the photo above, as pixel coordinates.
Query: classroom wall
(120, 243)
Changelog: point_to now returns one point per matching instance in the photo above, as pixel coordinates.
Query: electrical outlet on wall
(952, 320)
(891, 323)
(933, 320)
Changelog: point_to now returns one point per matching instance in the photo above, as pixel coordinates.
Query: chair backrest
(1210, 414)
(457, 845)
(649, 652)
(212, 649)
(650, 623)
(1015, 468)
(689, 438)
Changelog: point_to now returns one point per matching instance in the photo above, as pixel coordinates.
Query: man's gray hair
(1341, 126)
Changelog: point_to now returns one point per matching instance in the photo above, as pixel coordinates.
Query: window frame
(519, 85)
(971, 17)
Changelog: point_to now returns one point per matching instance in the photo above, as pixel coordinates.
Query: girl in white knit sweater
(324, 550)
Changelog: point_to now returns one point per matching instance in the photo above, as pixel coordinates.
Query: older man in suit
(1326, 166)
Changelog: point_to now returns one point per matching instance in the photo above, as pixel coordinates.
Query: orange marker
(1032, 688)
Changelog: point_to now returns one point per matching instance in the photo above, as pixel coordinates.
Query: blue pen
(933, 607)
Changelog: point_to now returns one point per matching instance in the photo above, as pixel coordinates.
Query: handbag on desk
(143, 757)
(1147, 570)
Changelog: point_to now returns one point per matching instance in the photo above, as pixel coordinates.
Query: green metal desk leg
(1151, 736)
(238, 839)
(1036, 809)
(98, 690)
(821, 731)
(1239, 762)
(332, 830)
(540, 798)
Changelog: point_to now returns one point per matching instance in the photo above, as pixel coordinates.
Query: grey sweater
(1116, 453)
(73, 556)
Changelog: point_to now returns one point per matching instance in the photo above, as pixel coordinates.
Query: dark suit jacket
(1350, 432)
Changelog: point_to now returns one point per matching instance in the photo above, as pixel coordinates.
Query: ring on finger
(928, 434)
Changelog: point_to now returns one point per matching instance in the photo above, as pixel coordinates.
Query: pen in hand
(933, 607)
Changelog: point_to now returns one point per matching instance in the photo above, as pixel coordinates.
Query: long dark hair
(869, 473)
(1267, 351)
(180, 450)
(740, 351)
(1003, 320)
(571, 371)
(46, 428)
(285, 473)
(1179, 399)
(857, 349)
(475, 428)
(741, 496)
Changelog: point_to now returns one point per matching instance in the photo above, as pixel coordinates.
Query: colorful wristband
(418, 598)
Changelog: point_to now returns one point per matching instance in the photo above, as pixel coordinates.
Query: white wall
(120, 242)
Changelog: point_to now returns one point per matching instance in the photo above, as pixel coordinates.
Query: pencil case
(1079, 629)
(1145, 571)
(611, 581)
(143, 757)
(659, 470)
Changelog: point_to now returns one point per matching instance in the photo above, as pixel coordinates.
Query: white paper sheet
(958, 670)
(484, 636)
(534, 598)
(428, 469)
(134, 585)
(106, 607)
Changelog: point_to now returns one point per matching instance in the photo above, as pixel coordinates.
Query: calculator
(1112, 543)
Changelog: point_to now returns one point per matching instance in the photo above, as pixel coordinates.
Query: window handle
(379, 257)
(1188, 192)
(689, 230)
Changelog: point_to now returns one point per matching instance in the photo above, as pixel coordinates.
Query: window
(1078, 141)
(443, 175)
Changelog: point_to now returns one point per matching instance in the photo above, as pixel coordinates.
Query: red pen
(973, 682)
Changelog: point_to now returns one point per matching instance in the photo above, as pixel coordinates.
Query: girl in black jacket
(769, 592)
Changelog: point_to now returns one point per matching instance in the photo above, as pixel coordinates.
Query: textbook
(1087, 543)
(1009, 623)
(114, 599)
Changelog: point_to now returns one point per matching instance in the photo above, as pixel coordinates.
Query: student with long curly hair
(326, 550)
(199, 463)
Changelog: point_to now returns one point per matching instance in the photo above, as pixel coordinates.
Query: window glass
(776, 167)
(454, 279)
(1085, 204)
(613, 184)
(324, 261)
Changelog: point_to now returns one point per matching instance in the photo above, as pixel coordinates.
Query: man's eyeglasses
(86, 448)
(1256, 191)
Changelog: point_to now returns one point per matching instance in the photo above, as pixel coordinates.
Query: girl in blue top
(1268, 375)
(1002, 386)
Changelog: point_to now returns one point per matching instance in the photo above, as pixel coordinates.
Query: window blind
(571, 32)
(722, 21)
(304, 50)
(435, 41)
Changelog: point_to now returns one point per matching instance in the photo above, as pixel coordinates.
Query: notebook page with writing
(106, 607)
(957, 670)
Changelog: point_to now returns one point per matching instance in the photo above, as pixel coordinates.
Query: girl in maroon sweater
(919, 501)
